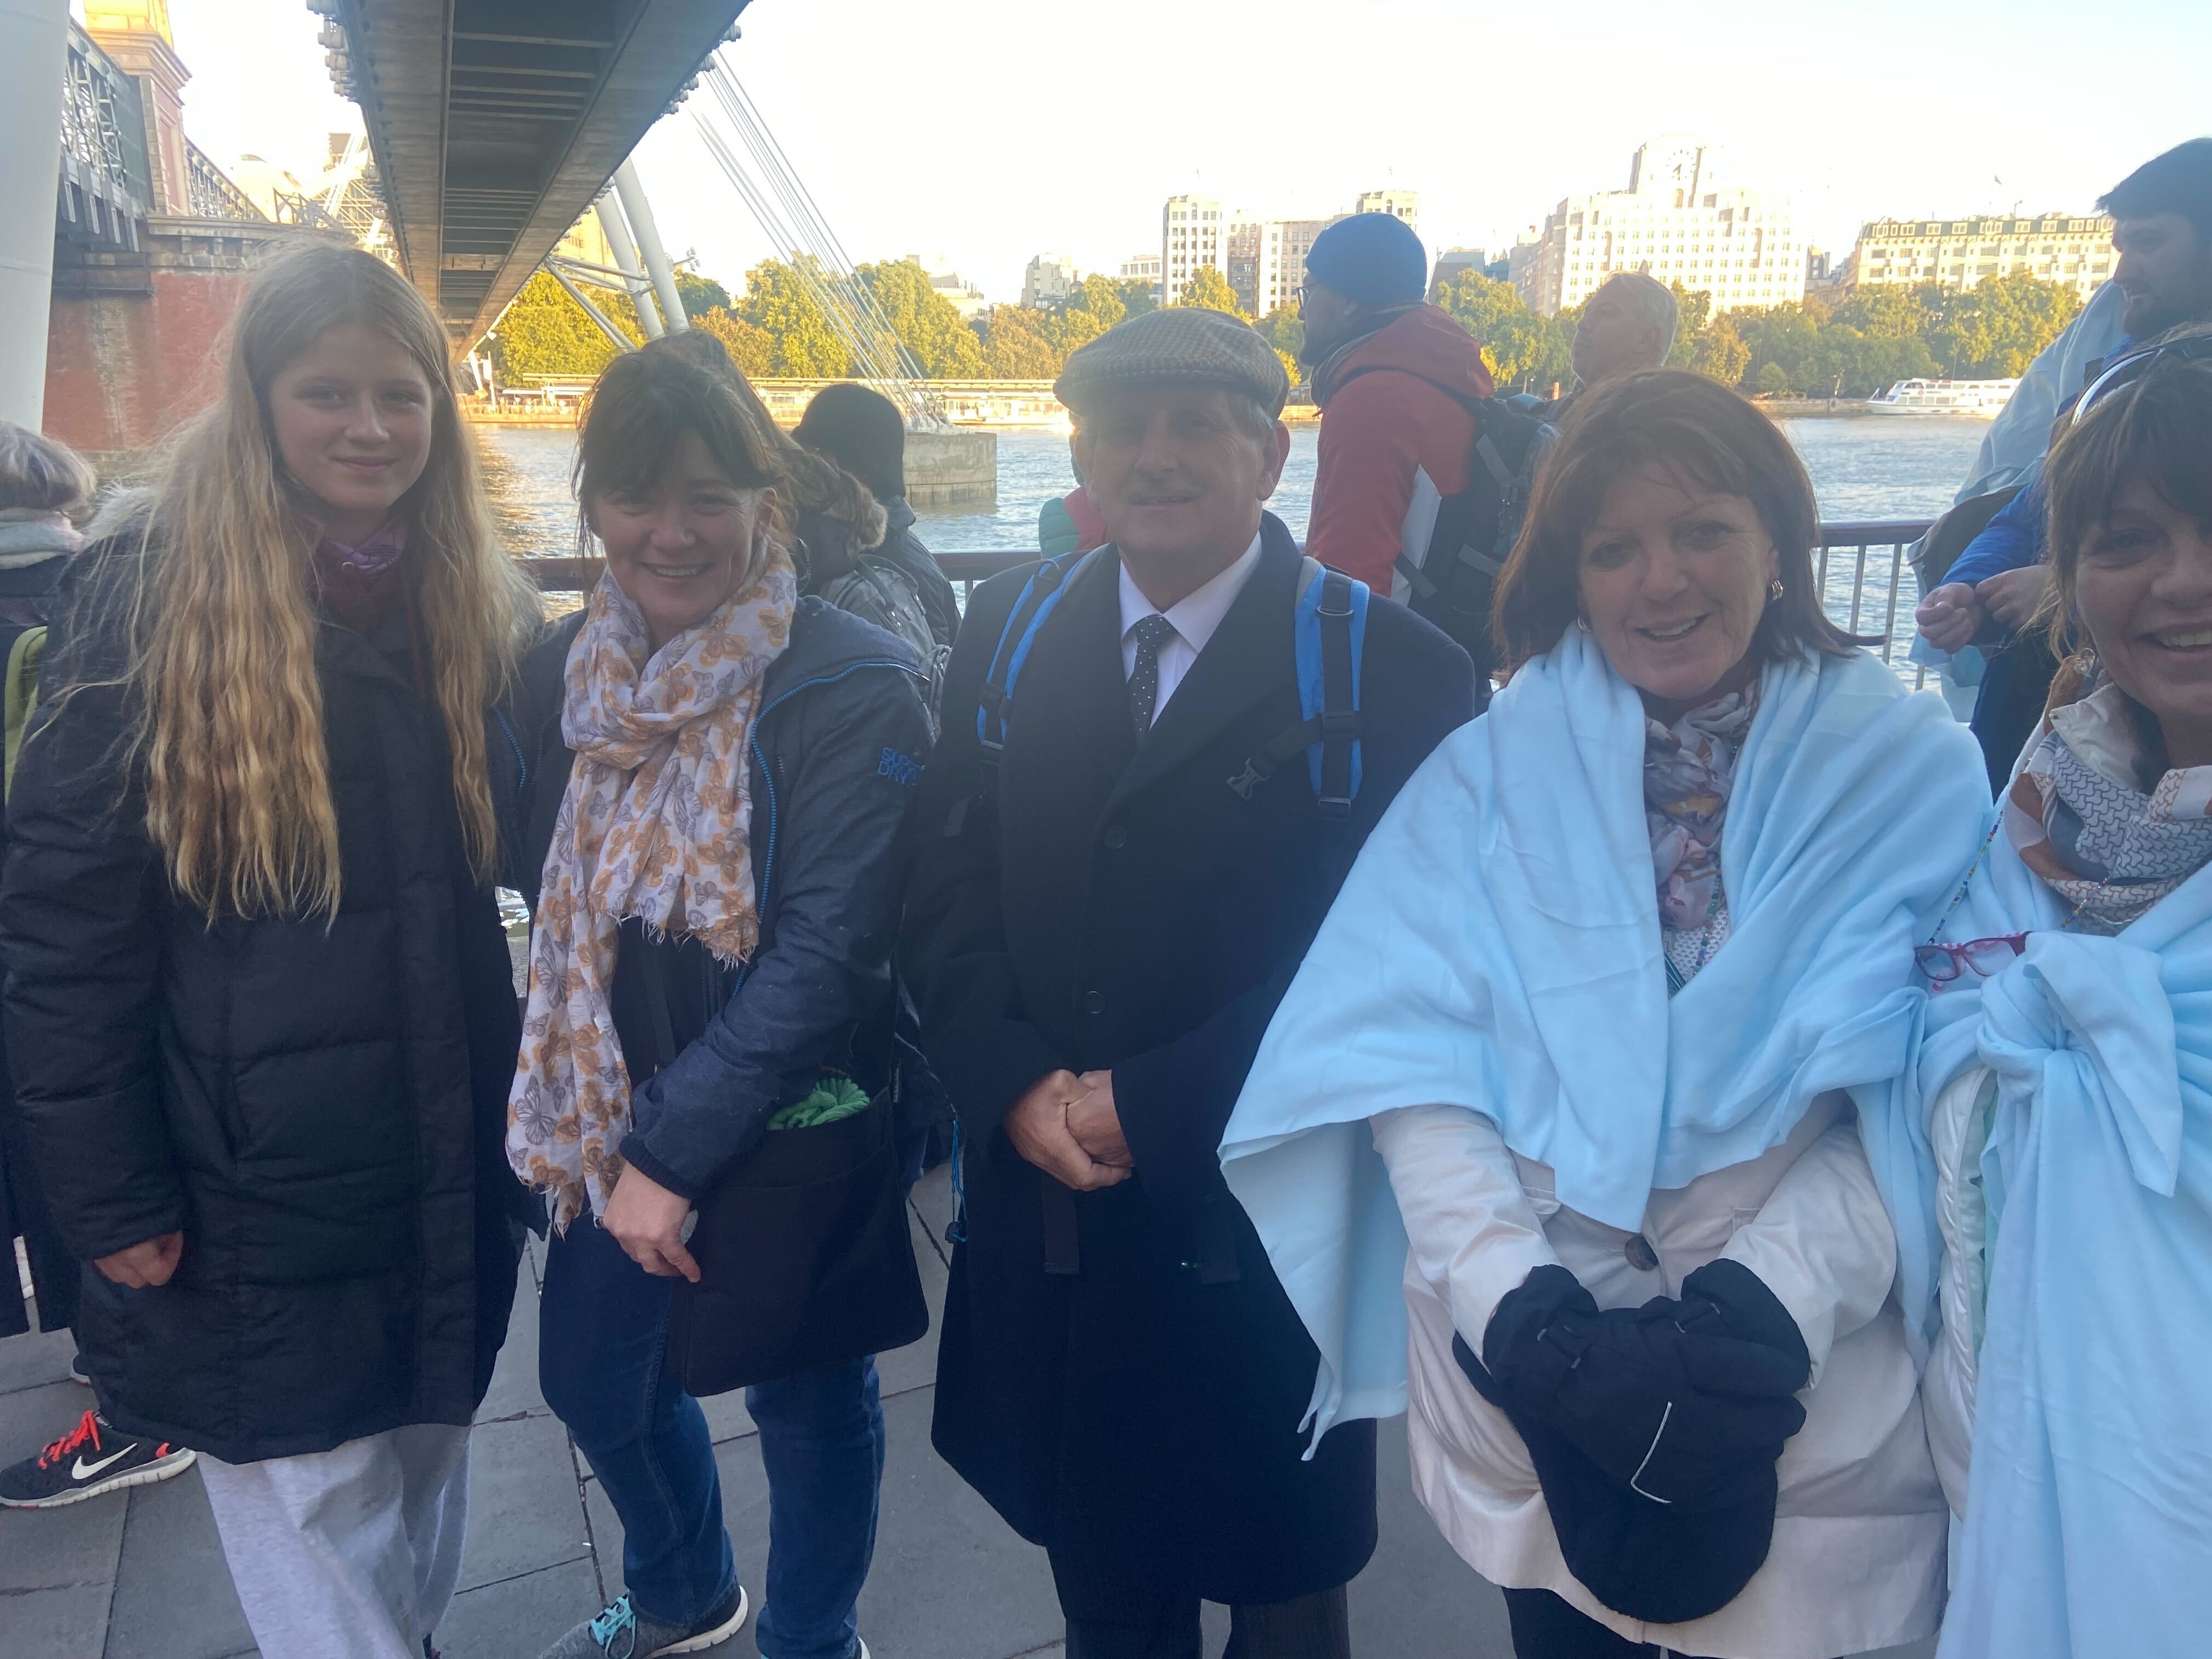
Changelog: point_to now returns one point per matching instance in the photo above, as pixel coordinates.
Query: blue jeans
(603, 1325)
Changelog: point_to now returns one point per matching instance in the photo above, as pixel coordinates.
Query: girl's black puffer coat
(317, 1106)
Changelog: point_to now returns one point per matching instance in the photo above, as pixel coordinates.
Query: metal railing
(1860, 566)
(214, 194)
(104, 184)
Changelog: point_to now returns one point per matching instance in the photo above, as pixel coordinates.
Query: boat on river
(1981, 399)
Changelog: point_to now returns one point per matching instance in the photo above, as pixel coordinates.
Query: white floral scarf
(656, 825)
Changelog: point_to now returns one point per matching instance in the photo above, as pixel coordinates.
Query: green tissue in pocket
(833, 1097)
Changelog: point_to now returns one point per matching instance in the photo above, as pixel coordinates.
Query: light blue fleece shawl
(2088, 1527)
(1497, 947)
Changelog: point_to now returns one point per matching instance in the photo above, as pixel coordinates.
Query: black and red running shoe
(92, 1458)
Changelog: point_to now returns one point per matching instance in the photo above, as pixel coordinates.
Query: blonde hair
(228, 735)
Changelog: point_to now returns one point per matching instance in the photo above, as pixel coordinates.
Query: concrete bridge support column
(34, 64)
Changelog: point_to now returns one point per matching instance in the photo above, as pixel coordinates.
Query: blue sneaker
(620, 1631)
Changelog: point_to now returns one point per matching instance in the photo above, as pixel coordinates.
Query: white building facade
(1051, 277)
(1193, 232)
(1264, 260)
(1959, 252)
(1677, 222)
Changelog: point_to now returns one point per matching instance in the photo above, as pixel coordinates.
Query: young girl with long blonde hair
(257, 998)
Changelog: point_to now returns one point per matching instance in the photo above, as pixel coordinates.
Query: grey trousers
(352, 1553)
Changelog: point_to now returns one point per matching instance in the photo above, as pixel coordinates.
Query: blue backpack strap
(1039, 595)
(1328, 634)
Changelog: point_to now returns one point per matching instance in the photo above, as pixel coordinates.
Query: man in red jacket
(1390, 374)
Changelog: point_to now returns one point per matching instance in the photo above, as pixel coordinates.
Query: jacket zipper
(768, 775)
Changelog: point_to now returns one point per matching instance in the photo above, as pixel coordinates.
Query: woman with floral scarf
(720, 774)
(2068, 1072)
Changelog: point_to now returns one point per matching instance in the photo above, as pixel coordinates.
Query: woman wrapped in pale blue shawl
(2067, 1068)
(1575, 1128)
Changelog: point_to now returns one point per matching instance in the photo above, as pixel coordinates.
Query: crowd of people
(1515, 961)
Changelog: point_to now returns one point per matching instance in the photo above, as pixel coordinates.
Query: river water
(1863, 467)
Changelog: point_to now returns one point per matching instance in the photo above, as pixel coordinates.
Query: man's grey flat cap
(1181, 346)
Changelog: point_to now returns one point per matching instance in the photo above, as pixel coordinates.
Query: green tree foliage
(1286, 332)
(1209, 289)
(751, 348)
(935, 335)
(1718, 352)
(1015, 347)
(1993, 329)
(1521, 348)
(700, 295)
(777, 302)
(1095, 307)
(1138, 296)
(545, 334)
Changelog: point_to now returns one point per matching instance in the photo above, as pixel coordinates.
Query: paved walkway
(139, 1575)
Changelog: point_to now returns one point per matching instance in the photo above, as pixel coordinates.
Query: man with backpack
(1159, 759)
(1423, 477)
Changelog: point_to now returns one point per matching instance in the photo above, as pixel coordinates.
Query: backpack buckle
(1251, 778)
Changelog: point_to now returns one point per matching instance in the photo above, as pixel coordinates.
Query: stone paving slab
(140, 1575)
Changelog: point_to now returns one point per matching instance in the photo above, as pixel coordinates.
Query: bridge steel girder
(496, 124)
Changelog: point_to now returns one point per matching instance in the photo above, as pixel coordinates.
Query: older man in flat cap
(1116, 884)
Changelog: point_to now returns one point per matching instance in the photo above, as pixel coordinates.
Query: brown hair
(38, 475)
(2157, 428)
(812, 482)
(1704, 434)
(223, 630)
(640, 409)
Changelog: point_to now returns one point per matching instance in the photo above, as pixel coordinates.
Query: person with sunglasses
(2162, 231)
(2067, 1069)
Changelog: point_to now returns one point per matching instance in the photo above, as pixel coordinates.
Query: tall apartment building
(1676, 221)
(1264, 260)
(1959, 252)
(1051, 277)
(1398, 204)
(1193, 232)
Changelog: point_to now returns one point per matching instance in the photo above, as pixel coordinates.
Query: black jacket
(24, 593)
(904, 549)
(317, 1105)
(1102, 905)
(838, 750)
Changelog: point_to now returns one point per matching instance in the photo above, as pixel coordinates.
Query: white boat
(1982, 399)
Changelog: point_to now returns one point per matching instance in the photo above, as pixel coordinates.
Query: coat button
(1094, 1002)
(1116, 837)
(1641, 1256)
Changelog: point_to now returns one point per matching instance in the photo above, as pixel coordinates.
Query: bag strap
(1329, 628)
(1040, 595)
(24, 656)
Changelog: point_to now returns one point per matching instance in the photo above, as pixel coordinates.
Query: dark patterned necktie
(1152, 633)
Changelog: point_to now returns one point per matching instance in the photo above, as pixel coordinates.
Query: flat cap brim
(1181, 346)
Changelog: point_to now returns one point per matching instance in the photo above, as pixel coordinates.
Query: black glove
(1686, 1402)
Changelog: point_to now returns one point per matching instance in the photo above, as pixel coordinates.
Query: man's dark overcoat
(1099, 905)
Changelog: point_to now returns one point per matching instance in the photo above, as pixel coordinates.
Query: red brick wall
(124, 370)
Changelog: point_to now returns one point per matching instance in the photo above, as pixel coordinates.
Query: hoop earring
(1582, 621)
(1775, 590)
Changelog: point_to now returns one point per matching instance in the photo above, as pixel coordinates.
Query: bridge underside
(495, 123)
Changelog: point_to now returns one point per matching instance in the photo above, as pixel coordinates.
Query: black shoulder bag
(804, 1258)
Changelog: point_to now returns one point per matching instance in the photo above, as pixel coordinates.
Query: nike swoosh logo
(84, 1471)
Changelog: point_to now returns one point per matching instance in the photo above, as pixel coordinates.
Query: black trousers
(1115, 1615)
(1544, 1626)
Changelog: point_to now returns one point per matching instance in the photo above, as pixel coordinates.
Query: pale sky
(986, 131)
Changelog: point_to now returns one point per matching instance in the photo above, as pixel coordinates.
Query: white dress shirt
(1195, 617)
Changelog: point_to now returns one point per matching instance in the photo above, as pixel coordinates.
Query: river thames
(1863, 467)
